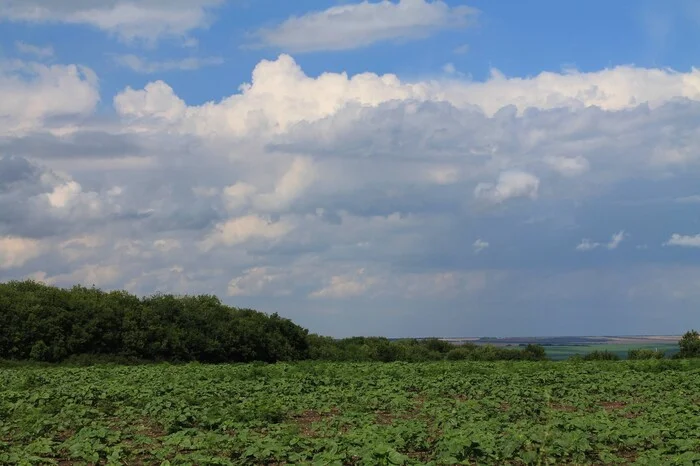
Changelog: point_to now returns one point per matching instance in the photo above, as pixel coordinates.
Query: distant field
(559, 348)
(621, 349)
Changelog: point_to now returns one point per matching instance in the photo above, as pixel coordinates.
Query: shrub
(601, 356)
(689, 345)
(642, 353)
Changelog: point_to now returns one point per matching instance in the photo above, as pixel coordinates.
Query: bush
(689, 345)
(459, 354)
(637, 354)
(601, 356)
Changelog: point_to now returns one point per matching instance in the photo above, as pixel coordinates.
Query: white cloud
(242, 229)
(238, 195)
(479, 245)
(586, 245)
(32, 92)
(157, 100)
(16, 251)
(141, 65)
(615, 240)
(280, 95)
(685, 241)
(510, 185)
(34, 50)
(346, 286)
(361, 24)
(129, 20)
(568, 166)
(300, 175)
(63, 195)
(67, 198)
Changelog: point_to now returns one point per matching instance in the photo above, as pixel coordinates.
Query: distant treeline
(50, 324)
(46, 323)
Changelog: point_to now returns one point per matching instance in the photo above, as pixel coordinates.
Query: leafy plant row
(441, 413)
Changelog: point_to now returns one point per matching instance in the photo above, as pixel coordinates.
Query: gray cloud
(81, 144)
(350, 199)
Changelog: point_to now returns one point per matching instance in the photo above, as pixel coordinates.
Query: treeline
(46, 323)
(50, 324)
(412, 350)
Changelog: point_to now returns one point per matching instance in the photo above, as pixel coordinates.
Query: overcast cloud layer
(362, 203)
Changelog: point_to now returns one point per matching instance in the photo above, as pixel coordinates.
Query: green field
(559, 353)
(628, 412)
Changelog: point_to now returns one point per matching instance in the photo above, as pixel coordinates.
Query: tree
(690, 345)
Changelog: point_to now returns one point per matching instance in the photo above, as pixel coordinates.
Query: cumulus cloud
(144, 66)
(510, 185)
(686, 241)
(145, 19)
(280, 193)
(299, 176)
(16, 251)
(361, 24)
(32, 92)
(281, 95)
(242, 229)
(35, 200)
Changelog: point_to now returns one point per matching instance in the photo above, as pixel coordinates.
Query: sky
(397, 167)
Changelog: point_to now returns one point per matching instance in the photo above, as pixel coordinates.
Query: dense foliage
(46, 323)
(641, 412)
(598, 355)
(645, 353)
(411, 350)
(690, 345)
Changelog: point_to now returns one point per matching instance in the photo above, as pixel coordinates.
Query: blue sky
(401, 168)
